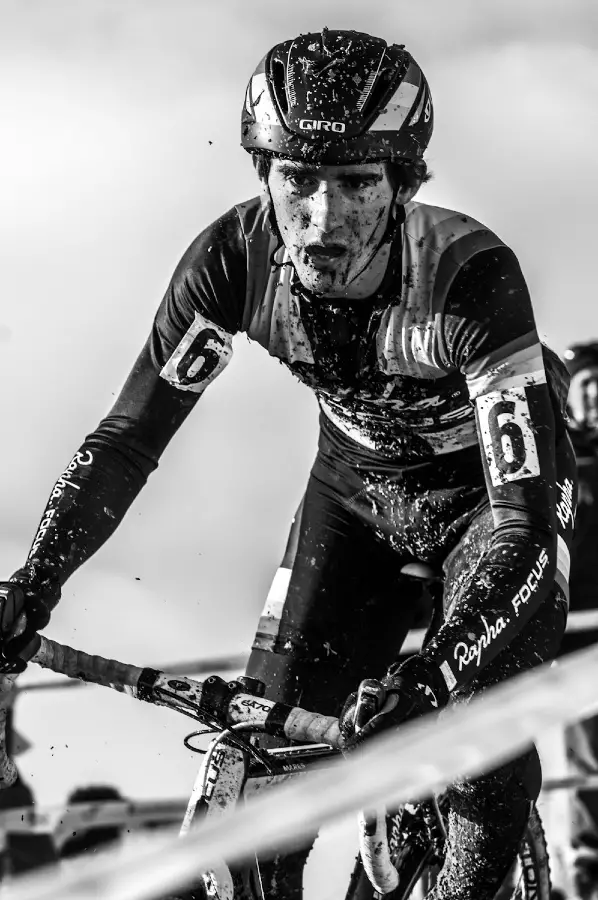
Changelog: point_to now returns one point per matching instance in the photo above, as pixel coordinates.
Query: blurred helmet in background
(582, 362)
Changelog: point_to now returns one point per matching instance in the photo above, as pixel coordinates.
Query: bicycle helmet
(581, 356)
(338, 97)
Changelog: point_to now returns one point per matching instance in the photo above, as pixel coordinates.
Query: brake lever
(371, 697)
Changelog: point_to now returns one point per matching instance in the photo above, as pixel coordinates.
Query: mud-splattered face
(583, 397)
(331, 219)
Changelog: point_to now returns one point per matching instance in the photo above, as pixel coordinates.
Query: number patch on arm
(201, 355)
(507, 435)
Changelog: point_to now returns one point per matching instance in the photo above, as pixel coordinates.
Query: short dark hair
(408, 174)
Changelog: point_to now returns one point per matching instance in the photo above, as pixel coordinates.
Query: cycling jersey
(444, 357)
(389, 372)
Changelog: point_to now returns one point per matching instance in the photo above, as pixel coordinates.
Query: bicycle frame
(231, 708)
(226, 775)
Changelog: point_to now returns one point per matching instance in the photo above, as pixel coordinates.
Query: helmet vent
(377, 95)
(366, 90)
(278, 85)
(373, 89)
(291, 86)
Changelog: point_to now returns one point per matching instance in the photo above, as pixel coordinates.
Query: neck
(372, 275)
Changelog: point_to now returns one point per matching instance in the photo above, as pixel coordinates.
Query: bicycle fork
(217, 788)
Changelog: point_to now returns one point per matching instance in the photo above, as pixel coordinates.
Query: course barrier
(423, 756)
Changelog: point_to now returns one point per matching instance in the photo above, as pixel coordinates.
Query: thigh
(344, 612)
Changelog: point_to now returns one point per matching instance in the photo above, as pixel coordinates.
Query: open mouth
(324, 253)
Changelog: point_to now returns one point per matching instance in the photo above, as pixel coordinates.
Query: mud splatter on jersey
(438, 381)
(397, 372)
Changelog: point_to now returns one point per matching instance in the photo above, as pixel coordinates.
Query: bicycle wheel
(418, 864)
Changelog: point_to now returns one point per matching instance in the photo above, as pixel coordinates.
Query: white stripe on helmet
(260, 102)
(398, 109)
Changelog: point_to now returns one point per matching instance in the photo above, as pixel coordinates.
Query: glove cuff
(423, 675)
(42, 593)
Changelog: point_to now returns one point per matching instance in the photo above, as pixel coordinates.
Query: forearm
(97, 487)
(87, 503)
(513, 577)
(189, 344)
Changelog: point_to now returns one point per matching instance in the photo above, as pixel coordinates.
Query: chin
(316, 282)
(320, 281)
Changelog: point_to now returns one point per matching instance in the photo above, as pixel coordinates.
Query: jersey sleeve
(189, 345)
(191, 340)
(490, 336)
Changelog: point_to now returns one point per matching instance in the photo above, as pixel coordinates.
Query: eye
(360, 182)
(298, 179)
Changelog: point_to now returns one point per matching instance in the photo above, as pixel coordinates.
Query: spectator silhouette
(89, 839)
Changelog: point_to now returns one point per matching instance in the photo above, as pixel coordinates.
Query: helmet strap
(396, 217)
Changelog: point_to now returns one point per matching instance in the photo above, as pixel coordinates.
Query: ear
(406, 194)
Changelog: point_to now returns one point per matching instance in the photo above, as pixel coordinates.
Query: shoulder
(210, 277)
(227, 246)
(441, 231)
(223, 238)
(252, 219)
(425, 218)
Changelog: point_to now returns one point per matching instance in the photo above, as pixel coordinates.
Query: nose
(327, 212)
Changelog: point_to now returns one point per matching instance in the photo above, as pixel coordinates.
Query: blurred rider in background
(582, 737)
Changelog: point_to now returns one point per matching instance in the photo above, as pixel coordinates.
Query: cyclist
(442, 432)
(582, 738)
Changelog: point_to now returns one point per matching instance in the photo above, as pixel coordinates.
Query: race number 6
(200, 356)
(507, 435)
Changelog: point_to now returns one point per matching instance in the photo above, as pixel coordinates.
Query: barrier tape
(402, 765)
(583, 620)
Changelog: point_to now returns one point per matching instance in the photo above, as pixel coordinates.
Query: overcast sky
(120, 143)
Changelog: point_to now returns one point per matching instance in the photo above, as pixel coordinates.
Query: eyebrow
(300, 168)
(297, 167)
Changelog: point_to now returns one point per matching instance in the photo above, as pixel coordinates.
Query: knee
(282, 874)
(512, 787)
